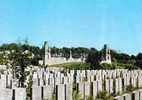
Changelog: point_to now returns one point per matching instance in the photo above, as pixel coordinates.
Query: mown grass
(73, 66)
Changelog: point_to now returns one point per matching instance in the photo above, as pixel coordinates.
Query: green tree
(139, 60)
(19, 61)
(94, 59)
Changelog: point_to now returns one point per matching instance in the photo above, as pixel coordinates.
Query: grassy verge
(73, 66)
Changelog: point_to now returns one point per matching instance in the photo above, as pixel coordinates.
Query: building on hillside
(105, 55)
(49, 60)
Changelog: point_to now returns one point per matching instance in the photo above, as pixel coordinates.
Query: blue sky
(73, 23)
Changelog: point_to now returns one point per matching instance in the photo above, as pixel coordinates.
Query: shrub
(54, 97)
(129, 88)
(105, 66)
(2, 71)
(84, 79)
(74, 85)
(29, 86)
(90, 98)
(102, 94)
(76, 95)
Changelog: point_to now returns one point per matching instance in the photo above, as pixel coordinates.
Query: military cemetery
(45, 82)
(70, 50)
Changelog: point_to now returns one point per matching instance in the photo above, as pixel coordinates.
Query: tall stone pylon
(47, 55)
(70, 54)
(105, 55)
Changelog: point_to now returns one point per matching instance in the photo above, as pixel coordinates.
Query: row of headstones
(36, 93)
(42, 93)
(135, 95)
(119, 85)
(121, 82)
(13, 94)
(90, 74)
(8, 81)
(97, 86)
(61, 79)
(112, 86)
(80, 75)
(53, 81)
(45, 75)
(87, 89)
(102, 75)
(61, 91)
(107, 73)
(59, 76)
(65, 91)
(54, 69)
